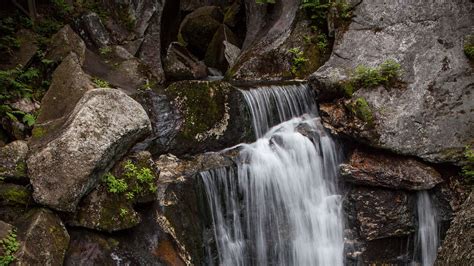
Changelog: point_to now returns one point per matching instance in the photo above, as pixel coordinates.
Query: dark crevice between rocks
(170, 23)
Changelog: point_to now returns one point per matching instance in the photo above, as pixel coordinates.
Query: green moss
(14, 195)
(361, 109)
(20, 169)
(202, 105)
(38, 132)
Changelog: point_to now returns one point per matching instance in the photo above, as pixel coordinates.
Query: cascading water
(427, 229)
(280, 205)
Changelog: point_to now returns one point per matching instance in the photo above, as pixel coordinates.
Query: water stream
(280, 206)
(427, 236)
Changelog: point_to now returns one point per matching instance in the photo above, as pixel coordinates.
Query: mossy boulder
(198, 28)
(43, 238)
(11, 194)
(109, 207)
(104, 211)
(210, 115)
(13, 161)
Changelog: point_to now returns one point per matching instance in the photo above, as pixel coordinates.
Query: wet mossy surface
(11, 194)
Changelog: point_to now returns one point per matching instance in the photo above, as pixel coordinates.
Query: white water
(280, 206)
(272, 105)
(427, 229)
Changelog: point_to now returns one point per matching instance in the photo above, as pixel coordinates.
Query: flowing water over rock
(280, 205)
(427, 229)
(272, 105)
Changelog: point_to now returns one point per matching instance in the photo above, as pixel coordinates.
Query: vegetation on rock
(469, 47)
(9, 245)
(468, 170)
(368, 77)
(297, 61)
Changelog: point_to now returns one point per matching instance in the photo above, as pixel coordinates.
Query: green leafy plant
(368, 77)
(115, 185)
(123, 212)
(322, 41)
(100, 83)
(468, 170)
(8, 41)
(143, 175)
(297, 61)
(9, 245)
(469, 47)
(316, 9)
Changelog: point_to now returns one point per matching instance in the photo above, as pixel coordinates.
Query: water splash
(428, 239)
(280, 205)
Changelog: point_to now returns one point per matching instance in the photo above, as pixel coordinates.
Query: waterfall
(272, 105)
(280, 205)
(427, 229)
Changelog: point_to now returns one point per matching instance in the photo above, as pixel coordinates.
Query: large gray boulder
(431, 114)
(104, 124)
(64, 42)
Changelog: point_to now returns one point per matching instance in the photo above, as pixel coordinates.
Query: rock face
(457, 247)
(180, 64)
(181, 198)
(64, 42)
(382, 170)
(193, 116)
(100, 129)
(271, 33)
(13, 161)
(431, 115)
(199, 27)
(43, 239)
(92, 30)
(68, 85)
(383, 213)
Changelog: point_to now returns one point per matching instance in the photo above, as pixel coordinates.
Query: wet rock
(199, 27)
(104, 124)
(145, 244)
(11, 194)
(13, 161)
(212, 115)
(181, 198)
(430, 115)
(231, 53)
(150, 49)
(215, 55)
(64, 42)
(384, 170)
(457, 247)
(180, 64)
(92, 30)
(382, 213)
(43, 238)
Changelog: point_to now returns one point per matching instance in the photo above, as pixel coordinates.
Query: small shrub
(123, 212)
(9, 245)
(469, 47)
(115, 185)
(297, 61)
(385, 74)
(468, 170)
(361, 109)
(143, 175)
(100, 83)
(322, 41)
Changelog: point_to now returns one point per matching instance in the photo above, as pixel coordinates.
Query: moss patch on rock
(204, 107)
(361, 109)
(11, 194)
